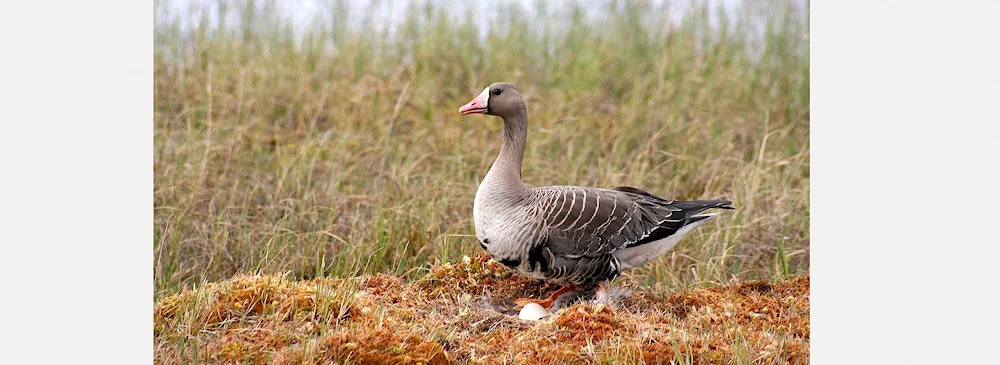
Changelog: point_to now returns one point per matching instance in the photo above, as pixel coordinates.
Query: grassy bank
(336, 149)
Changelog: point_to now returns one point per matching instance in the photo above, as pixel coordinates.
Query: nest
(451, 316)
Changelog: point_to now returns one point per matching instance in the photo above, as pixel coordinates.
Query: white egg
(532, 312)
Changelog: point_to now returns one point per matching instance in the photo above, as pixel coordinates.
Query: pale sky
(304, 11)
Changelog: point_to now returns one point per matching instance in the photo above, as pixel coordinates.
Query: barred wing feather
(589, 222)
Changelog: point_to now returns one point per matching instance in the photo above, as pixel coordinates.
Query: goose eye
(497, 91)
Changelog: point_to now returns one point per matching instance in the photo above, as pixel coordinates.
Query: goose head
(500, 99)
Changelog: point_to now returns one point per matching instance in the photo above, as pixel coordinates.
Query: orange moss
(441, 319)
(375, 346)
(661, 353)
(246, 346)
(382, 284)
(586, 320)
(479, 275)
(756, 315)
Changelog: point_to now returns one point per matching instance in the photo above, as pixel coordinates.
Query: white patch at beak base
(486, 96)
(479, 105)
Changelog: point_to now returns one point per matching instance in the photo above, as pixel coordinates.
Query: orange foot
(545, 303)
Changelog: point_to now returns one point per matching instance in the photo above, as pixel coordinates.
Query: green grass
(335, 150)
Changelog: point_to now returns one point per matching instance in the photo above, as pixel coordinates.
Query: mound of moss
(450, 316)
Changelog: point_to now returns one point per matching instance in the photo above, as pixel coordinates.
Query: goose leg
(545, 303)
(570, 298)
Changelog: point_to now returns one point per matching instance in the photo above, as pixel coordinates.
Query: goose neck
(506, 169)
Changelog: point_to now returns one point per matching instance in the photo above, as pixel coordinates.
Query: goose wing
(591, 222)
(584, 226)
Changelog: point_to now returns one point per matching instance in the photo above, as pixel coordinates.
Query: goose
(576, 237)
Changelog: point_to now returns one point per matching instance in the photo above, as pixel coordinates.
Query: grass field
(335, 149)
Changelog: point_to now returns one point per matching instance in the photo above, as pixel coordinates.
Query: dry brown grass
(445, 318)
(341, 152)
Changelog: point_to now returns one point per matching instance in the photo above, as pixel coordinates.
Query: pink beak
(477, 105)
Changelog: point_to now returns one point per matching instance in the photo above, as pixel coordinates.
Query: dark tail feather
(683, 204)
(692, 207)
(724, 204)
